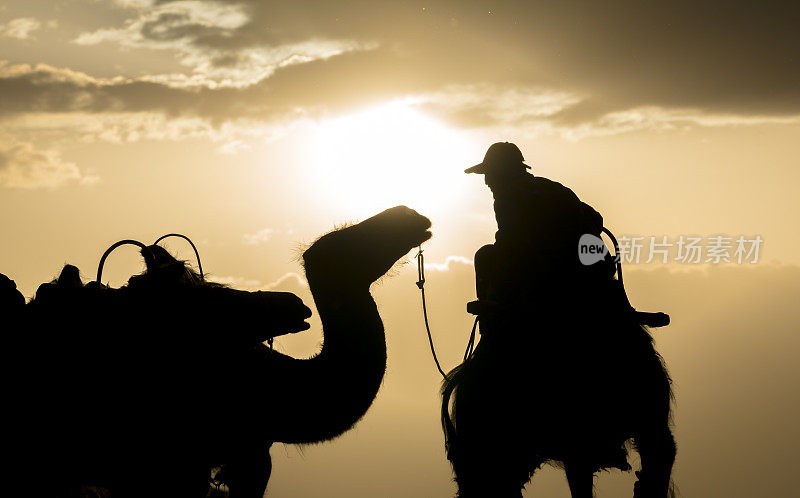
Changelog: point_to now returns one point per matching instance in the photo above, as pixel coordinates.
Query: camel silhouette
(567, 376)
(143, 390)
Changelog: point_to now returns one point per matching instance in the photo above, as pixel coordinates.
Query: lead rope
(471, 343)
(421, 286)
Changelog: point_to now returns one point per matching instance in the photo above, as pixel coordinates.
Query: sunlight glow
(388, 155)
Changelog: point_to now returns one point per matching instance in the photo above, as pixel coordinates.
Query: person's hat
(500, 156)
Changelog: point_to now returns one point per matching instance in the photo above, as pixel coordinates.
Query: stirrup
(653, 320)
(480, 307)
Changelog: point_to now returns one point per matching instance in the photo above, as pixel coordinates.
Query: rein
(421, 286)
(649, 319)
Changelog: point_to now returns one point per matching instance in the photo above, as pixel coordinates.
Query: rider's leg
(485, 270)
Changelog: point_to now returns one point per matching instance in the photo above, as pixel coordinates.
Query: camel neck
(342, 380)
(351, 323)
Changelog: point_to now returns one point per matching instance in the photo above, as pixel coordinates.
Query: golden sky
(256, 126)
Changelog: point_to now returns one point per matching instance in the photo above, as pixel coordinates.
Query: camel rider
(534, 261)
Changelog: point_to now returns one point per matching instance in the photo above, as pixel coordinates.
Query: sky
(254, 127)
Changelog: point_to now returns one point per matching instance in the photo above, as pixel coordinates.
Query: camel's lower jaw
(294, 328)
(284, 328)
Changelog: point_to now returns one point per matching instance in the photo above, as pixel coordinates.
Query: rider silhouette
(534, 260)
(564, 371)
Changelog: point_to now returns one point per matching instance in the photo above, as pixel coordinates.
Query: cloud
(289, 282)
(486, 104)
(740, 59)
(42, 98)
(133, 4)
(236, 282)
(62, 128)
(526, 67)
(46, 89)
(212, 39)
(542, 111)
(652, 118)
(22, 166)
(258, 237)
(233, 147)
(449, 264)
(174, 25)
(21, 28)
(43, 88)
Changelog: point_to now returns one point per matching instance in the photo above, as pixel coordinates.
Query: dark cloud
(587, 110)
(350, 79)
(739, 58)
(47, 89)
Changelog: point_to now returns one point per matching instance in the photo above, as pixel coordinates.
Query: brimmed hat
(500, 156)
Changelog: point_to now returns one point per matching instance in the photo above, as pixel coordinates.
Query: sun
(388, 155)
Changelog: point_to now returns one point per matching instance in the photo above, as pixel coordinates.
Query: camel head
(360, 254)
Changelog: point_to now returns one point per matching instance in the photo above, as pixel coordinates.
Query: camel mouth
(297, 321)
(423, 237)
(287, 313)
(422, 232)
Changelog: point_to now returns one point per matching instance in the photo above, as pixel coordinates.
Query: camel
(562, 384)
(143, 390)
